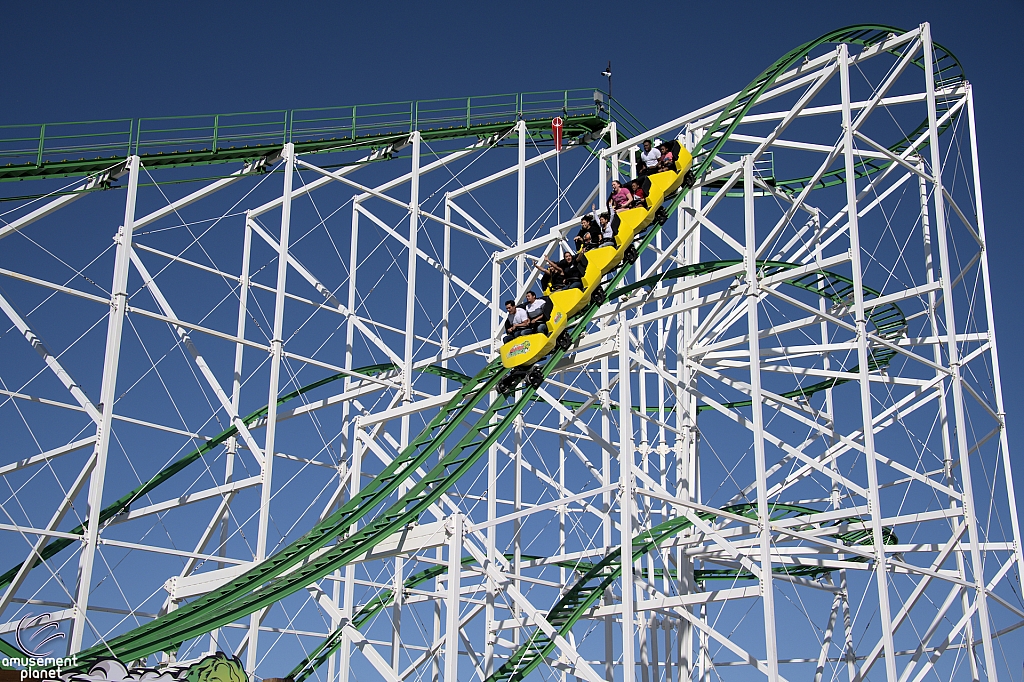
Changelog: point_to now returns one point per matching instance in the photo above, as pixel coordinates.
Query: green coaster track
(313, 556)
(580, 594)
(583, 595)
(888, 320)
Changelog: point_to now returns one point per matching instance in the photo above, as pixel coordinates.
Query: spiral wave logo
(41, 624)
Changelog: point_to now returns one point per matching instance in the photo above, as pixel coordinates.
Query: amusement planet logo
(38, 665)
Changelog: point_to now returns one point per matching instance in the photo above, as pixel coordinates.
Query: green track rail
(313, 556)
(365, 613)
(584, 594)
(888, 320)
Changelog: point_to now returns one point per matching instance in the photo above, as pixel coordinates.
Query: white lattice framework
(209, 302)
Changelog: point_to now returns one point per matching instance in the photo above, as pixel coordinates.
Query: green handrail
(35, 151)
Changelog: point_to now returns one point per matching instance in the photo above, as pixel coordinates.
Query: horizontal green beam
(52, 150)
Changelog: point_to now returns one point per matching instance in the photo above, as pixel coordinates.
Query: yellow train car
(524, 351)
(527, 349)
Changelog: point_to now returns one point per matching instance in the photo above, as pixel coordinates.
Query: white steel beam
(1004, 446)
(270, 433)
(48, 455)
(108, 388)
(882, 580)
(757, 407)
(113, 173)
(51, 361)
(36, 551)
(953, 353)
(204, 367)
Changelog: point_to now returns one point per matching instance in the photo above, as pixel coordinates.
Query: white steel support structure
(874, 503)
(803, 385)
(111, 358)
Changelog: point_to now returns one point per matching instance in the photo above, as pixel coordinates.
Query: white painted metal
(874, 504)
(112, 356)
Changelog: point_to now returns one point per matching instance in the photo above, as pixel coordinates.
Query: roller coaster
(689, 481)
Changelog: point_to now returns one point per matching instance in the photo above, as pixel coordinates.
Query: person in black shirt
(573, 268)
(589, 234)
(553, 275)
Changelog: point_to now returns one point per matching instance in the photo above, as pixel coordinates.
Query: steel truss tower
(778, 449)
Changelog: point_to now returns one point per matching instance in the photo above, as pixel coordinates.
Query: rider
(573, 268)
(538, 310)
(667, 162)
(589, 234)
(515, 322)
(609, 230)
(639, 196)
(554, 275)
(649, 156)
(620, 198)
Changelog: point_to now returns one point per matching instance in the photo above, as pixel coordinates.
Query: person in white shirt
(538, 310)
(650, 157)
(515, 322)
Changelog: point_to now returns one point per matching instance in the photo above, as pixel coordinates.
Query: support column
(606, 510)
(446, 264)
(410, 292)
(977, 563)
(490, 632)
(757, 410)
(687, 439)
(517, 444)
(613, 139)
(875, 510)
(343, 657)
(451, 636)
(407, 375)
(1004, 445)
(522, 132)
(236, 397)
(348, 605)
(626, 500)
(947, 446)
(276, 353)
(111, 357)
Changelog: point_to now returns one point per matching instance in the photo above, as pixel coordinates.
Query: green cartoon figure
(216, 668)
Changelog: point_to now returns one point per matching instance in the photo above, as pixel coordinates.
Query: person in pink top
(667, 162)
(620, 198)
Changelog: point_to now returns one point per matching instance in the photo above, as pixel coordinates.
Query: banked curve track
(597, 578)
(580, 603)
(313, 556)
